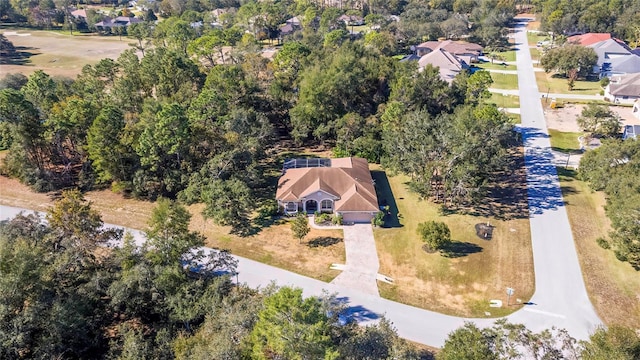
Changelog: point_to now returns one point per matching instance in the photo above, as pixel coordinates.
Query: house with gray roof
(623, 89)
(614, 56)
(448, 64)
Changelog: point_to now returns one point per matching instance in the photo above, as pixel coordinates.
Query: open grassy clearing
(509, 55)
(505, 101)
(557, 85)
(504, 81)
(274, 245)
(565, 141)
(613, 286)
(497, 65)
(59, 54)
(535, 54)
(476, 272)
(534, 37)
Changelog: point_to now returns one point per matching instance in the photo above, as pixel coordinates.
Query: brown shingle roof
(454, 47)
(348, 179)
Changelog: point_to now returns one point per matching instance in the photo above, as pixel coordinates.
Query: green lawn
(535, 54)
(515, 118)
(509, 55)
(505, 101)
(565, 141)
(495, 66)
(549, 83)
(504, 81)
(461, 284)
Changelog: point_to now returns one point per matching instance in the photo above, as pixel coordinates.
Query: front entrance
(311, 206)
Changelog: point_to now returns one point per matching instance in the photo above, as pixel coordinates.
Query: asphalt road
(560, 298)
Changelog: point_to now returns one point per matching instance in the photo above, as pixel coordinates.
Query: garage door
(356, 217)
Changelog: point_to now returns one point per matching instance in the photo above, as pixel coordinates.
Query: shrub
(336, 219)
(269, 209)
(603, 243)
(378, 220)
(435, 235)
(322, 218)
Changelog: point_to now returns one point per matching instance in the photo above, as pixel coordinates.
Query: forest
(619, 17)
(203, 117)
(73, 289)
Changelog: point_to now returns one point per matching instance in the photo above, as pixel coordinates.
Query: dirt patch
(61, 54)
(564, 119)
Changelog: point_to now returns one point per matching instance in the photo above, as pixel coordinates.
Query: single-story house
(80, 14)
(469, 52)
(352, 20)
(341, 186)
(631, 132)
(290, 26)
(623, 89)
(109, 23)
(448, 64)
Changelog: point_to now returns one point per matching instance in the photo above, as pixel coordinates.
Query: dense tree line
(70, 292)
(619, 17)
(505, 340)
(195, 116)
(613, 168)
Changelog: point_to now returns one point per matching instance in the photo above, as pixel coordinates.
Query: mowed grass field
(60, 54)
(505, 101)
(464, 283)
(504, 81)
(274, 245)
(565, 141)
(613, 286)
(546, 82)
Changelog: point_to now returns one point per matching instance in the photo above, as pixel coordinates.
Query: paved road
(560, 298)
(361, 269)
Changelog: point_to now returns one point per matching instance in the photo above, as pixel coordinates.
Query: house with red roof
(614, 56)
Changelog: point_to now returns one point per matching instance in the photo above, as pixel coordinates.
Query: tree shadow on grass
(458, 249)
(22, 56)
(323, 241)
(386, 198)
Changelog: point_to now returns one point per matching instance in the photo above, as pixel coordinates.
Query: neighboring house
(341, 186)
(623, 89)
(352, 20)
(469, 52)
(631, 132)
(80, 14)
(448, 64)
(636, 109)
(614, 56)
(290, 26)
(109, 23)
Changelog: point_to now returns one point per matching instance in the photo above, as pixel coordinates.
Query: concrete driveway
(361, 269)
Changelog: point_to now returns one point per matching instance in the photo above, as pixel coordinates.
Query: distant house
(120, 21)
(623, 89)
(340, 186)
(352, 20)
(469, 52)
(290, 26)
(80, 14)
(614, 56)
(448, 64)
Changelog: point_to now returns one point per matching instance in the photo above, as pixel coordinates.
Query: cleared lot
(59, 54)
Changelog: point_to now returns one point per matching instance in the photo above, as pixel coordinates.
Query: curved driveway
(560, 298)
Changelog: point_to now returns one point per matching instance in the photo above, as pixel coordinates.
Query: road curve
(560, 298)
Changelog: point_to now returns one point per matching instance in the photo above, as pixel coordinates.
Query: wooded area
(202, 116)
